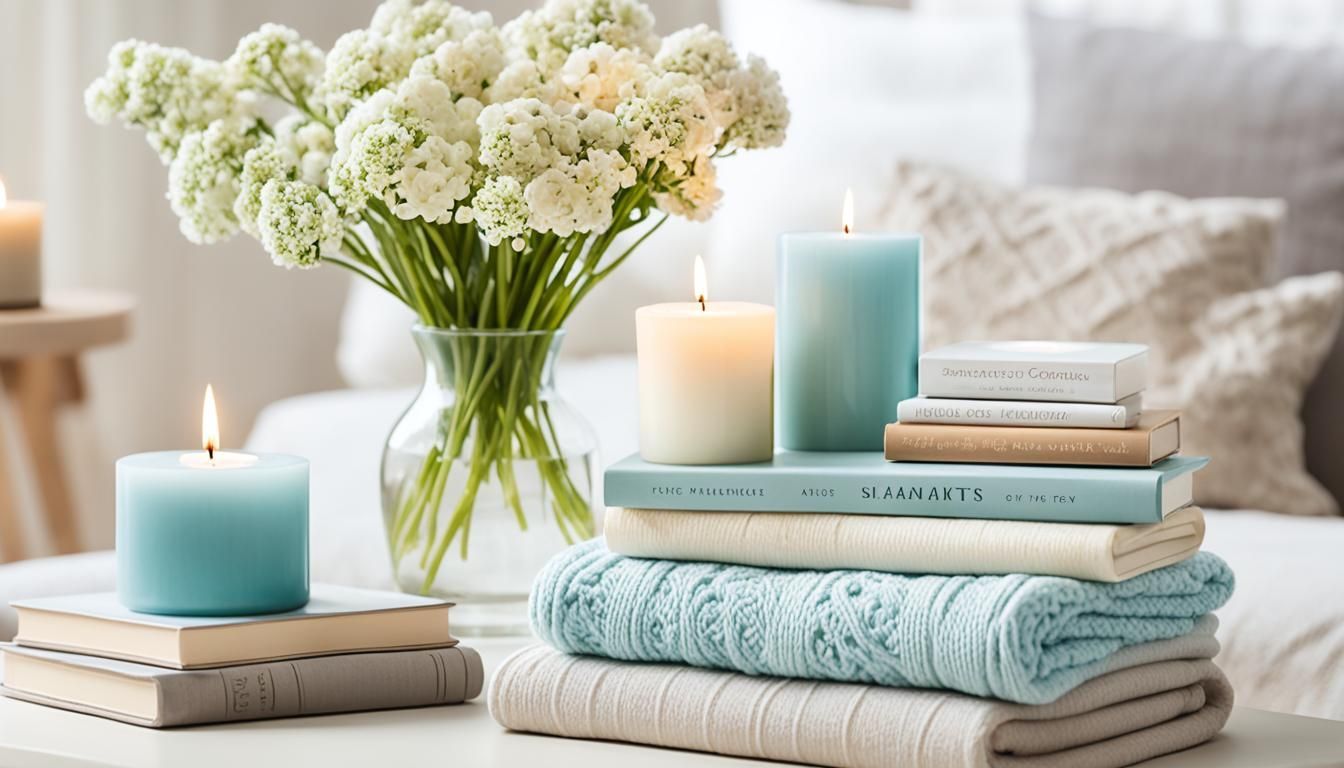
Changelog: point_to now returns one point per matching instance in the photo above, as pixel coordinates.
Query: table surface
(465, 735)
(65, 323)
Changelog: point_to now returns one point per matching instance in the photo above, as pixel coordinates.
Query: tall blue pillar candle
(220, 535)
(848, 337)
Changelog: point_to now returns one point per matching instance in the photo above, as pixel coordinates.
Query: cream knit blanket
(906, 544)
(1117, 719)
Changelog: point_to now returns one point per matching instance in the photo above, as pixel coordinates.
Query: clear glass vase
(487, 474)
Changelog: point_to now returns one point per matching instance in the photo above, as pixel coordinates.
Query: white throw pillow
(1186, 277)
(866, 85)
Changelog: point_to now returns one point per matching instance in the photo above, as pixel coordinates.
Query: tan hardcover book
(1156, 436)
(336, 620)
(158, 698)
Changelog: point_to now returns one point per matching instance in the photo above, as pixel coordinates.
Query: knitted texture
(1117, 719)
(1020, 638)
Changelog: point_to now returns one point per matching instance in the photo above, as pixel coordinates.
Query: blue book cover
(865, 483)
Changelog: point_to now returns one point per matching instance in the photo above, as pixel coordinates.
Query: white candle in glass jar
(706, 380)
(20, 252)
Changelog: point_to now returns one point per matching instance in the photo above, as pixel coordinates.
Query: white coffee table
(465, 735)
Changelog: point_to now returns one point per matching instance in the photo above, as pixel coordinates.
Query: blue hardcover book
(865, 483)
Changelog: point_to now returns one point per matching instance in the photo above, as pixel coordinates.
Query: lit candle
(20, 252)
(849, 335)
(212, 533)
(706, 380)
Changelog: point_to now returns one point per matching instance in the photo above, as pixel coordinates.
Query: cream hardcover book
(336, 620)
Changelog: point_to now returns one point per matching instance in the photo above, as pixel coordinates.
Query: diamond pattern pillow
(1187, 277)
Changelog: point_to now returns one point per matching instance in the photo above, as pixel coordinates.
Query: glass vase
(487, 474)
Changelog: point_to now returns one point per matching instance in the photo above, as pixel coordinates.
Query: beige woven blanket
(1118, 719)
(906, 544)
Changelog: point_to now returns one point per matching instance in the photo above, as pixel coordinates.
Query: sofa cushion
(1135, 110)
(1183, 276)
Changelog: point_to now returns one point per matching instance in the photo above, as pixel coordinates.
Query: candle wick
(701, 299)
(210, 449)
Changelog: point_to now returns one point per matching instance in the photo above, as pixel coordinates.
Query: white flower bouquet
(480, 174)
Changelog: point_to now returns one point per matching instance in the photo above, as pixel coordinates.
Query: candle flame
(701, 284)
(4, 198)
(847, 214)
(209, 423)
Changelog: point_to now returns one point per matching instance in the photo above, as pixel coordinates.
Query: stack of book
(1022, 402)
(1053, 567)
(347, 650)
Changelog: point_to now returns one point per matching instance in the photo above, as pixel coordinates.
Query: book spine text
(1017, 445)
(1116, 497)
(1066, 382)
(922, 410)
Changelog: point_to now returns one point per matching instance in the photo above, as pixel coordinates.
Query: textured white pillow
(1242, 392)
(1186, 277)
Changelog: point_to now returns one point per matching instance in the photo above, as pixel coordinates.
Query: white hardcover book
(1048, 371)
(1020, 413)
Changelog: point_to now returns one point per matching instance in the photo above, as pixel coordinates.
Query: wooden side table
(40, 373)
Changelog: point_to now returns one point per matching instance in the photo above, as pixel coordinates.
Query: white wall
(220, 313)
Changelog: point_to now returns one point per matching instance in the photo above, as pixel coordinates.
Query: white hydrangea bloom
(524, 137)
(421, 27)
(436, 175)
(598, 128)
(601, 76)
(413, 149)
(262, 164)
(577, 196)
(360, 64)
(549, 34)
(709, 59)
(307, 145)
(500, 209)
(366, 113)
(203, 179)
(694, 195)
(669, 123)
(468, 66)
(523, 79)
(299, 224)
(762, 109)
(278, 60)
(425, 105)
(370, 166)
(166, 91)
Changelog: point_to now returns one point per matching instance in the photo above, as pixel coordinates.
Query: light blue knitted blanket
(1022, 638)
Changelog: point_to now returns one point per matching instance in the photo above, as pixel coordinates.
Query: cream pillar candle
(20, 252)
(706, 380)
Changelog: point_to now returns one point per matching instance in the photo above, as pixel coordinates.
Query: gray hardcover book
(157, 697)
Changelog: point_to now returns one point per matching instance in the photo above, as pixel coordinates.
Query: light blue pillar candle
(848, 337)
(221, 537)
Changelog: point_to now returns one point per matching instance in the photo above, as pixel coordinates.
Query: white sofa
(1282, 632)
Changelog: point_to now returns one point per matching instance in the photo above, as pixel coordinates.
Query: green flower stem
(453, 280)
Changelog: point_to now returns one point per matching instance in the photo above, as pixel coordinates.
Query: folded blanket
(907, 544)
(1022, 638)
(1117, 719)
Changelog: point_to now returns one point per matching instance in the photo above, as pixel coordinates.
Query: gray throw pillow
(1137, 110)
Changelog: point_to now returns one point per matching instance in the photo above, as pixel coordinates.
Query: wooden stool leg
(39, 387)
(11, 527)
